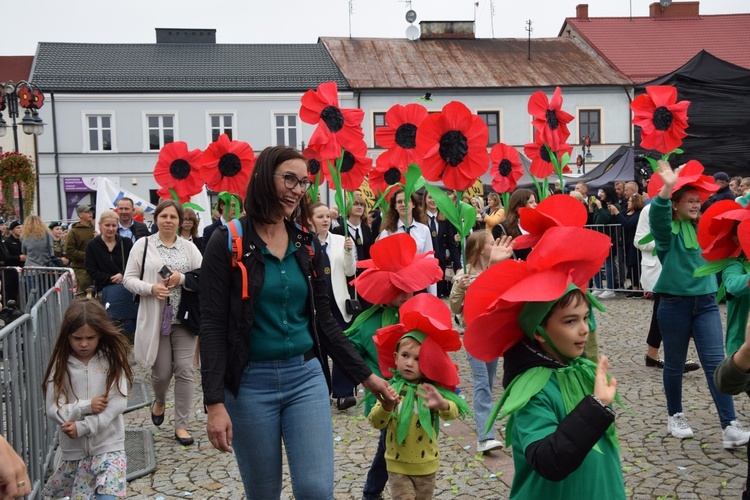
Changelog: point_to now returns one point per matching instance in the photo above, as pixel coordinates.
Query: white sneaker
(607, 294)
(596, 292)
(735, 435)
(491, 444)
(679, 427)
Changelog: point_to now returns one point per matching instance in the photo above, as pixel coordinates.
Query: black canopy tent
(718, 116)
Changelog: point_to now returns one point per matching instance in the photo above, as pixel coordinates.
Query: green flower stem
(462, 242)
(315, 188)
(506, 200)
(340, 194)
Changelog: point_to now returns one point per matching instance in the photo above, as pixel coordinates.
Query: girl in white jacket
(86, 387)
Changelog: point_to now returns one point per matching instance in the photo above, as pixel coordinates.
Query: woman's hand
(613, 209)
(117, 278)
(173, 280)
(14, 479)
(160, 291)
(604, 389)
(597, 203)
(463, 282)
(219, 427)
(502, 249)
(348, 244)
(380, 388)
(669, 177)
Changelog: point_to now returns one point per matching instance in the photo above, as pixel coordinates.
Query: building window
(160, 131)
(492, 120)
(589, 124)
(221, 124)
(99, 128)
(286, 129)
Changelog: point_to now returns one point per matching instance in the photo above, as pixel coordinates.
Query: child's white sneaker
(607, 294)
(488, 445)
(735, 435)
(679, 427)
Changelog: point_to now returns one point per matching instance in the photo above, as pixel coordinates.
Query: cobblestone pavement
(654, 463)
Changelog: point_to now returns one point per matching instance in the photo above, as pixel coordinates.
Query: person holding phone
(156, 271)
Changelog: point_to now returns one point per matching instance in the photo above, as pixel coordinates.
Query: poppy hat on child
(721, 229)
(690, 175)
(395, 267)
(511, 298)
(427, 319)
(558, 210)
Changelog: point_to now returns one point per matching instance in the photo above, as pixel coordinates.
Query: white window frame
(85, 126)
(499, 122)
(209, 127)
(600, 109)
(374, 112)
(274, 114)
(161, 113)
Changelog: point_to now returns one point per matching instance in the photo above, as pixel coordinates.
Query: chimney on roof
(183, 35)
(582, 11)
(446, 29)
(675, 9)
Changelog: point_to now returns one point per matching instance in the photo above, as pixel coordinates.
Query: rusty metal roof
(385, 63)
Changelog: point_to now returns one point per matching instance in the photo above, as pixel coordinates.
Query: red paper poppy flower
(314, 165)
(541, 163)
(395, 267)
(559, 210)
(431, 316)
(354, 167)
(494, 301)
(25, 96)
(385, 174)
(662, 119)
(178, 169)
(549, 118)
(691, 174)
(453, 144)
(506, 168)
(226, 165)
(337, 127)
(717, 229)
(399, 135)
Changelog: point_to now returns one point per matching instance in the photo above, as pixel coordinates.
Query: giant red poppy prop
(494, 301)
(178, 170)
(506, 167)
(453, 144)
(542, 164)
(691, 174)
(559, 210)
(717, 230)
(227, 165)
(549, 118)
(662, 119)
(385, 174)
(395, 267)
(431, 316)
(399, 135)
(336, 127)
(355, 165)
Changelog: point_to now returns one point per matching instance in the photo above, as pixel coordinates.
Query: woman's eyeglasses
(291, 182)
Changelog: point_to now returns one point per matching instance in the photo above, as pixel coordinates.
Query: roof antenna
(351, 11)
(529, 29)
(492, 17)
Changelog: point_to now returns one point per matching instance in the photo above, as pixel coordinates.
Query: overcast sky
(294, 21)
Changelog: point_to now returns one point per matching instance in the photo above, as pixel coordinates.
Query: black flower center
(406, 136)
(504, 168)
(392, 176)
(453, 147)
(552, 120)
(179, 169)
(662, 118)
(313, 166)
(347, 163)
(229, 165)
(333, 118)
(544, 154)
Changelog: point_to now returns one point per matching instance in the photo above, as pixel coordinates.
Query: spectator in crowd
(107, 254)
(58, 241)
(511, 226)
(336, 219)
(128, 226)
(79, 235)
(16, 258)
(189, 227)
(724, 193)
(602, 217)
(495, 212)
(358, 229)
(744, 186)
(583, 188)
(36, 242)
(225, 215)
(734, 185)
(443, 236)
(628, 219)
(374, 218)
(620, 192)
(3, 229)
(478, 203)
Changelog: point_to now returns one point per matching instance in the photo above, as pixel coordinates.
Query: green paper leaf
(646, 239)
(412, 176)
(654, 164)
(468, 216)
(712, 267)
(195, 207)
(444, 204)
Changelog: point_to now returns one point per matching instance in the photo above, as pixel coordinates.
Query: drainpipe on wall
(63, 215)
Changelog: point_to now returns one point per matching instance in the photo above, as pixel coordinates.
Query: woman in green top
(688, 305)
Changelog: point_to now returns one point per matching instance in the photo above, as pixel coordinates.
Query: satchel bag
(120, 305)
(189, 311)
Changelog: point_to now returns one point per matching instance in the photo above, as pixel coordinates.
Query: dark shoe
(691, 366)
(345, 403)
(157, 419)
(184, 441)
(658, 363)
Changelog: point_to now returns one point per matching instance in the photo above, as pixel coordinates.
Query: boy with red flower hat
(414, 353)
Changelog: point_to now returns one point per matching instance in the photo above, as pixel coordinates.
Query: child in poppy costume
(561, 426)
(422, 338)
(391, 276)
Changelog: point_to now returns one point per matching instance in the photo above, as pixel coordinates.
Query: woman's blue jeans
(283, 401)
(483, 377)
(679, 319)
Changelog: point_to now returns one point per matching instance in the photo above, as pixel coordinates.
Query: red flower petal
(188, 181)
(227, 165)
(660, 101)
(554, 211)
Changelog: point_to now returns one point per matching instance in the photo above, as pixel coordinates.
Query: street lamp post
(586, 150)
(29, 97)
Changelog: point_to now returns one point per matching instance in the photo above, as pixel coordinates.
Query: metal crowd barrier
(25, 347)
(622, 276)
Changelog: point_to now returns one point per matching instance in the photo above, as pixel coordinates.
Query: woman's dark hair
(169, 203)
(262, 204)
(518, 199)
(390, 222)
(609, 193)
(112, 344)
